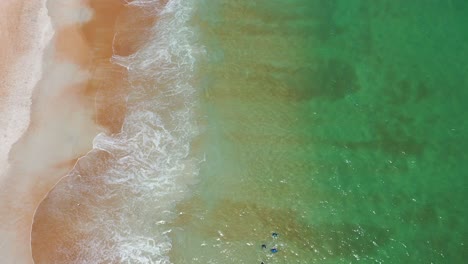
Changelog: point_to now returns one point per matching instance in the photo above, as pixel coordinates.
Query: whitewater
(115, 204)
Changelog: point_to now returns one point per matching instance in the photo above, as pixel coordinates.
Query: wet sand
(70, 105)
(113, 30)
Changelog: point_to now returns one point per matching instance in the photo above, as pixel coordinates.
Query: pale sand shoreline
(80, 94)
(25, 30)
(109, 88)
(61, 116)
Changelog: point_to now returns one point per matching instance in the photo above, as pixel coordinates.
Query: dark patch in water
(323, 13)
(386, 142)
(395, 142)
(332, 79)
(406, 91)
(421, 215)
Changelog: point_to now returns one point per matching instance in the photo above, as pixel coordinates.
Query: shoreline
(82, 92)
(64, 117)
(25, 33)
(105, 93)
(86, 218)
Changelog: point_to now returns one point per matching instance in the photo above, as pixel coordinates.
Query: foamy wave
(149, 165)
(152, 165)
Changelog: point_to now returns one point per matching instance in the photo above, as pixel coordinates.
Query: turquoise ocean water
(339, 124)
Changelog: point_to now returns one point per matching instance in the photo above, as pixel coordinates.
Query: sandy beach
(55, 62)
(25, 30)
(61, 85)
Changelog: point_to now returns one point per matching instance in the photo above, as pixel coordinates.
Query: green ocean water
(339, 124)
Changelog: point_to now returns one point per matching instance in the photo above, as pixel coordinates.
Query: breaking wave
(118, 198)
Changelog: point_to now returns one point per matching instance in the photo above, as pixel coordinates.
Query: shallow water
(338, 124)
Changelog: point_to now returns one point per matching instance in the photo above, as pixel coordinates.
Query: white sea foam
(150, 163)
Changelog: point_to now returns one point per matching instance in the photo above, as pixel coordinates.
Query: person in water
(274, 235)
(263, 246)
